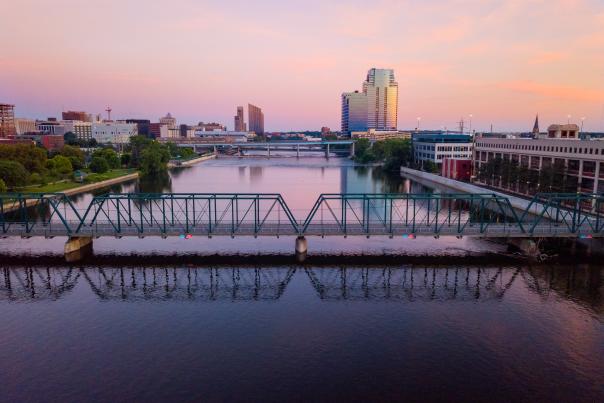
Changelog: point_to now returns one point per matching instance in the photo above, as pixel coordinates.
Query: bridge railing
(410, 213)
(568, 212)
(50, 214)
(200, 213)
(27, 211)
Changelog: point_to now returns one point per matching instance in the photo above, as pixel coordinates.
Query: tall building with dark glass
(354, 112)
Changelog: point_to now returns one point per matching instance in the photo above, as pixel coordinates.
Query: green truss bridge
(548, 215)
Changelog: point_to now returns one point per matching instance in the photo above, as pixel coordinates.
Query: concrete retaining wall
(516, 202)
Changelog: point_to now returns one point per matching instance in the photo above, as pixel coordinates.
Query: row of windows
(552, 149)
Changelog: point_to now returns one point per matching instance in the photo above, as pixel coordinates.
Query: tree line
(29, 164)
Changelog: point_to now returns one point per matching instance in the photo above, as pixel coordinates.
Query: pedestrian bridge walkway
(244, 214)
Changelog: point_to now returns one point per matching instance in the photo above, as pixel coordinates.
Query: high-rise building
(256, 119)
(169, 121)
(7, 121)
(354, 112)
(77, 115)
(240, 125)
(382, 99)
(82, 130)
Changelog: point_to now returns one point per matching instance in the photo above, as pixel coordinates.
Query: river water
(132, 325)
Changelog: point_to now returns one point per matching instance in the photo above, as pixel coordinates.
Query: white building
(82, 130)
(439, 145)
(169, 121)
(581, 161)
(113, 132)
(378, 135)
(50, 127)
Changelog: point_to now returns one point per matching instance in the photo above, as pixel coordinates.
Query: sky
(501, 61)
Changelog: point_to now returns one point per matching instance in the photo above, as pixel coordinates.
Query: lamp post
(582, 121)
(471, 116)
(568, 118)
(419, 119)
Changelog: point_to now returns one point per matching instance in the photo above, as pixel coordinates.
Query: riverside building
(7, 121)
(435, 146)
(354, 112)
(554, 161)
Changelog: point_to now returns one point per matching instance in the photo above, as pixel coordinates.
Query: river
(135, 324)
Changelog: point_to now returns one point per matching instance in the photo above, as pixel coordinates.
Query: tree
(397, 153)
(98, 165)
(75, 155)
(137, 145)
(430, 166)
(62, 165)
(110, 156)
(31, 157)
(3, 187)
(154, 158)
(13, 174)
(70, 138)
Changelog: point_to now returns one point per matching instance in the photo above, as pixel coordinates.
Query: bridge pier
(327, 152)
(529, 247)
(352, 150)
(297, 150)
(77, 248)
(301, 248)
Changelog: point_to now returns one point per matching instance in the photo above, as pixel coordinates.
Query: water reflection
(583, 284)
(188, 283)
(37, 284)
(411, 284)
(159, 183)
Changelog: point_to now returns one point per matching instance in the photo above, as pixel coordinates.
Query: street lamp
(418, 122)
(471, 116)
(582, 121)
(568, 117)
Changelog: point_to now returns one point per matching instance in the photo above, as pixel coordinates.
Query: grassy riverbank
(70, 184)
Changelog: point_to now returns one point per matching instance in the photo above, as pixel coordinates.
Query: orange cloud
(553, 90)
(547, 57)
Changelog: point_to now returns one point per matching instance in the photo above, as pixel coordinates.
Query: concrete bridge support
(352, 150)
(528, 246)
(298, 151)
(77, 248)
(301, 248)
(327, 151)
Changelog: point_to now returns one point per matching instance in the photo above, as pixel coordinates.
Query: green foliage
(397, 153)
(98, 164)
(430, 166)
(70, 138)
(393, 152)
(75, 155)
(31, 157)
(3, 187)
(137, 145)
(154, 158)
(36, 178)
(61, 165)
(13, 173)
(125, 159)
(109, 155)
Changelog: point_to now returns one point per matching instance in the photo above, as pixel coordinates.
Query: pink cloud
(567, 92)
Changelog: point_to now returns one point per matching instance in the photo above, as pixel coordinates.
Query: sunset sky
(502, 61)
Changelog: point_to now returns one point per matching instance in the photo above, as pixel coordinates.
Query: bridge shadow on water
(582, 284)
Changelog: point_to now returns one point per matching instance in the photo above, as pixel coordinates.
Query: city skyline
(451, 59)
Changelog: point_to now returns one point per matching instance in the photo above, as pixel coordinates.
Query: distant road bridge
(245, 214)
(346, 146)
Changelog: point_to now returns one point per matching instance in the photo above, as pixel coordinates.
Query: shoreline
(190, 162)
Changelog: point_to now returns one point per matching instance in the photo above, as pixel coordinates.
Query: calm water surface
(147, 332)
